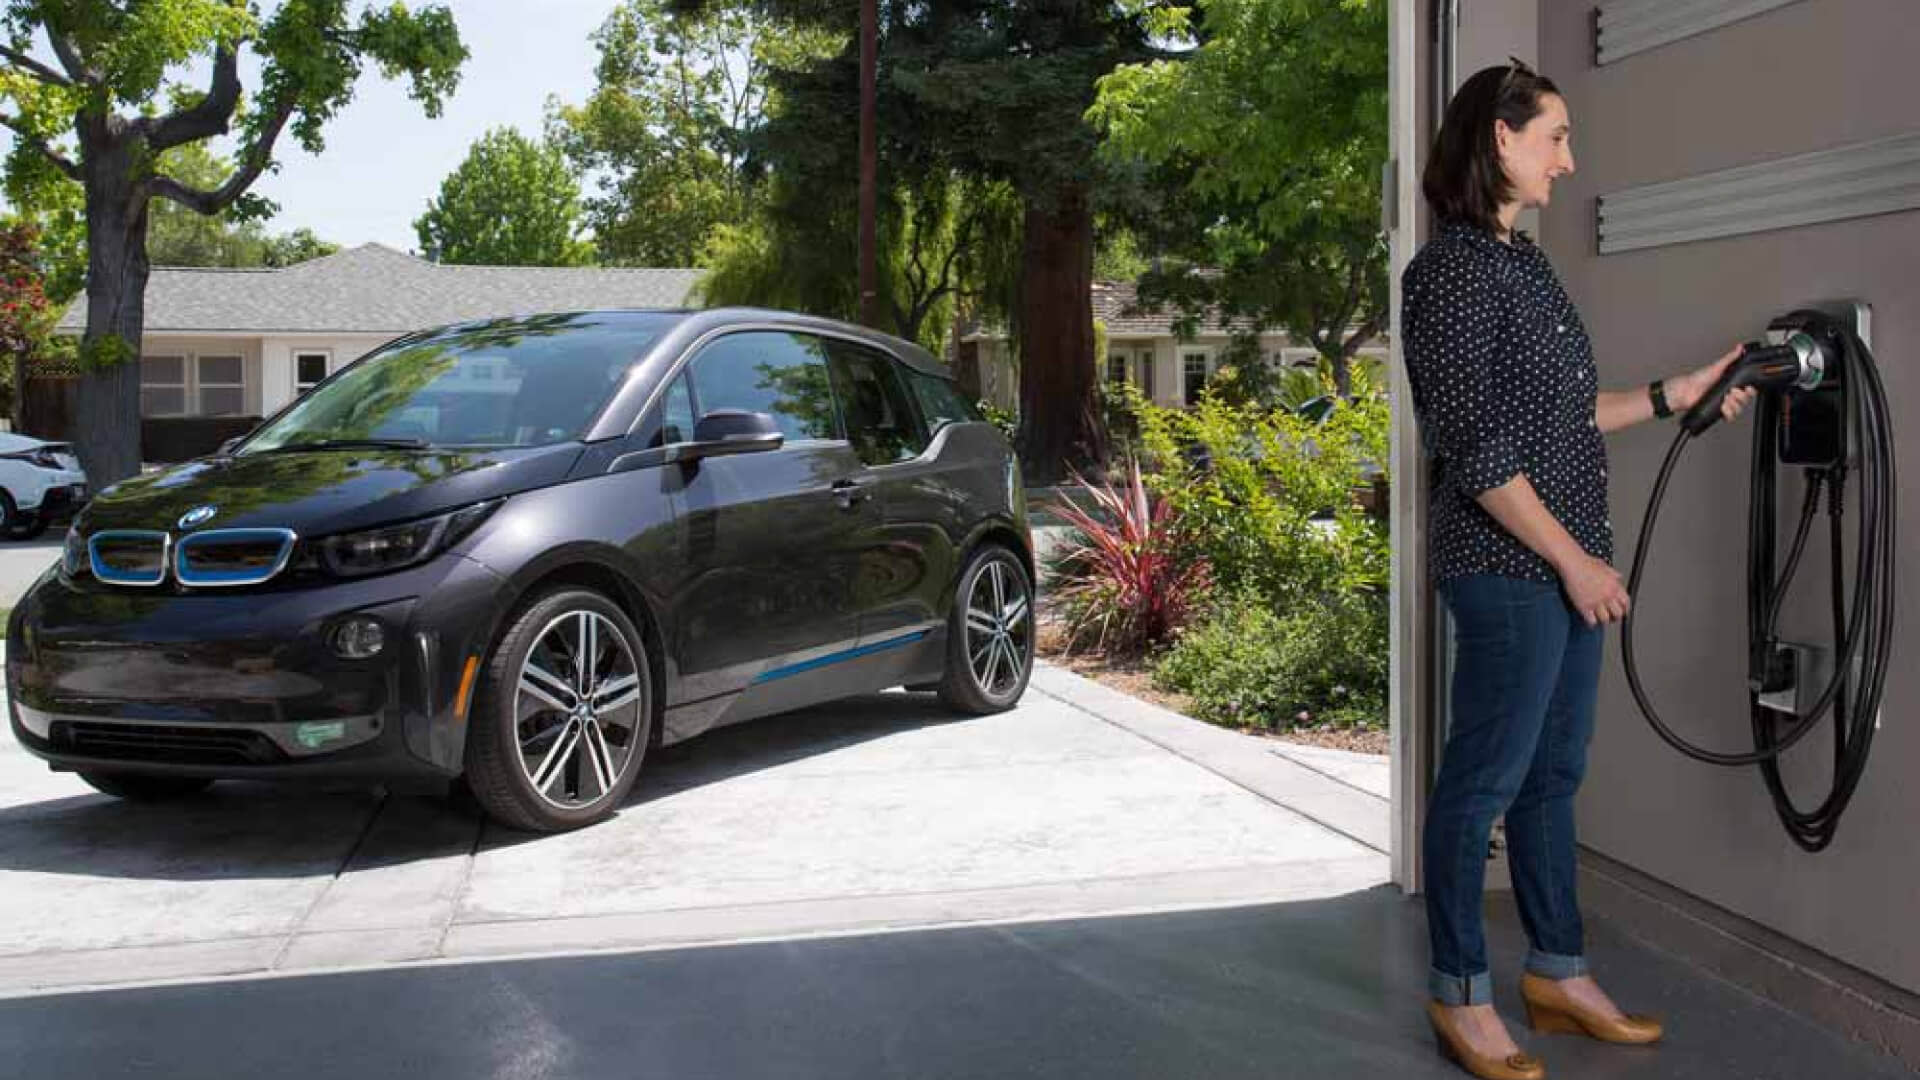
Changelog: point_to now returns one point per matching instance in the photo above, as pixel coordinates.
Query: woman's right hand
(1595, 589)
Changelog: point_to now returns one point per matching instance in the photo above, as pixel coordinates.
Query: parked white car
(40, 483)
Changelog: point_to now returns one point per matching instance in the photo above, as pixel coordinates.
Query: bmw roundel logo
(199, 515)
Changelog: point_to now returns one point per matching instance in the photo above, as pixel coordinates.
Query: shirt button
(1561, 328)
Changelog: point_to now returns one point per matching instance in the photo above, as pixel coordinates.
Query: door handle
(850, 493)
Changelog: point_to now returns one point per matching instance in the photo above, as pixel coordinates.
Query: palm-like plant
(1126, 583)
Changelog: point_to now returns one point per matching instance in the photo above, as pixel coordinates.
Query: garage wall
(1807, 76)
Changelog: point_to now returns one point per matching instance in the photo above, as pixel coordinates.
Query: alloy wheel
(999, 629)
(579, 710)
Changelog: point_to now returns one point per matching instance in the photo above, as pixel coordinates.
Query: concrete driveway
(878, 813)
(22, 561)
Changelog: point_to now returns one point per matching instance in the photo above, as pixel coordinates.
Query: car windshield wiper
(349, 444)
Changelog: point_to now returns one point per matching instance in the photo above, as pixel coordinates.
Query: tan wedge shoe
(1454, 1048)
(1550, 1010)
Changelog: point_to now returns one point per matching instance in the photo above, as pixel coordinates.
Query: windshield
(504, 383)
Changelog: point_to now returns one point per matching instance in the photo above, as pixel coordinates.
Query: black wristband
(1657, 390)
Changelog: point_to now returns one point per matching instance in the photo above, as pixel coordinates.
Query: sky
(384, 158)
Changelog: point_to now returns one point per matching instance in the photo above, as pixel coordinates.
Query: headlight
(393, 547)
(73, 554)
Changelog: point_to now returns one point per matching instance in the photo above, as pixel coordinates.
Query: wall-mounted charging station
(1823, 411)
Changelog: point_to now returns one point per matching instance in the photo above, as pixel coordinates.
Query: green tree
(664, 136)
(996, 92)
(512, 202)
(1278, 119)
(177, 236)
(297, 246)
(108, 84)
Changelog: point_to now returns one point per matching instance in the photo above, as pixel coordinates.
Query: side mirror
(730, 431)
(227, 446)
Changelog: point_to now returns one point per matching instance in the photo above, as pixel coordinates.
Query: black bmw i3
(518, 553)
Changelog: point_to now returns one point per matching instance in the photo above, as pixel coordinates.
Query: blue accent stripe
(835, 658)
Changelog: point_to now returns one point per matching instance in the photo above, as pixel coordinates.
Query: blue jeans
(1526, 671)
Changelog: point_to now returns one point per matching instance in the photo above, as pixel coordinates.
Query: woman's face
(1536, 155)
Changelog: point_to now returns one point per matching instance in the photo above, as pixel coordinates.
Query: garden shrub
(1319, 664)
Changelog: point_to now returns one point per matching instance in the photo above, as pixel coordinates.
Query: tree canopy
(664, 138)
(105, 107)
(512, 202)
(1278, 119)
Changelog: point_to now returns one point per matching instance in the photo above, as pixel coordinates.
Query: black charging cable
(1863, 627)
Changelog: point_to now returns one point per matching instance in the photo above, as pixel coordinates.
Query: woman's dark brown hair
(1463, 180)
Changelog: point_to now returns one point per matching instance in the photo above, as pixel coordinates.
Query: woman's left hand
(1683, 391)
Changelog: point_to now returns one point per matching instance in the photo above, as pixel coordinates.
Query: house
(244, 343)
(1143, 348)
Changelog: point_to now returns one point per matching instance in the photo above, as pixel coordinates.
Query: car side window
(783, 375)
(882, 423)
(676, 413)
(941, 402)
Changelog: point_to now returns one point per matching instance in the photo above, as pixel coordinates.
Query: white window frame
(200, 386)
(326, 355)
(184, 385)
(1212, 354)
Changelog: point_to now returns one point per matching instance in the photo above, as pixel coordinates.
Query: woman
(1506, 392)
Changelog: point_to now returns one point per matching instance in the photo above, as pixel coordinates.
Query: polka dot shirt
(1503, 384)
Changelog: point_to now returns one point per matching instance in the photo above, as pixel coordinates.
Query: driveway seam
(1341, 780)
(460, 892)
(913, 894)
(353, 849)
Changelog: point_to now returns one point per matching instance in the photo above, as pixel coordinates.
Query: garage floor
(1316, 988)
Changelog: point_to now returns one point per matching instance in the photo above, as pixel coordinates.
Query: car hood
(317, 492)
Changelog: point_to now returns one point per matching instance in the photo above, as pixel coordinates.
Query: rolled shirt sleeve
(1453, 317)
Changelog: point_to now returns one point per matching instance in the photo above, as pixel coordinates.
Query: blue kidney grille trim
(252, 556)
(133, 557)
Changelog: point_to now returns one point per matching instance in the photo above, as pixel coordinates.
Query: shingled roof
(375, 289)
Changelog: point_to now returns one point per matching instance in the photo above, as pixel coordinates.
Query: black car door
(769, 541)
(904, 577)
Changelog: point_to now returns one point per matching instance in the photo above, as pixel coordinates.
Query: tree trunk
(107, 412)
(1059, 415)
(1342, 366)
(966, 357)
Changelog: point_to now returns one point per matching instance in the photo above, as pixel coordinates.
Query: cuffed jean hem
(1552, 966)
(1460, 989)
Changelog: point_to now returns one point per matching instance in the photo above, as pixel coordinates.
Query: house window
(308, 369)
(1195, 366)
(163, 386)
(1116, 369)
(222, 385)
(1146, 374)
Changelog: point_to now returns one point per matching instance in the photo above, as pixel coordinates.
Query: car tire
(9, 513)
(26, 526)
(544, 752)
(982, 647)
(143, 787)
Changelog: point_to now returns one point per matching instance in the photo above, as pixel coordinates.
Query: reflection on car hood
(318, 492)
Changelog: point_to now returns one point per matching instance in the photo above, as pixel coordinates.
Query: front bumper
(242, 683)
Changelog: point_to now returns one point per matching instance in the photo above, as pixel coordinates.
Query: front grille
(129, 556)
(231, 556)
(161, 743)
